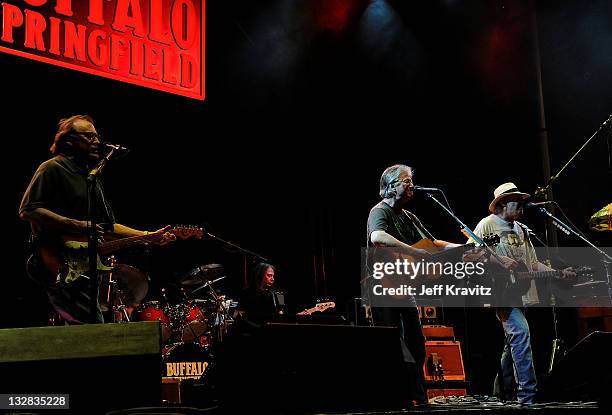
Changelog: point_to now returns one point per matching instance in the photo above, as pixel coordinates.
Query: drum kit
(197, 319)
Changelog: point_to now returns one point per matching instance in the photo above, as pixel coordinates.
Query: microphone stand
(605, 258)
(542, 190)
(233, 245)
(472, 235)
(463, 226)
(557, 342)
(92, 273)
(546, 191)
(244, 251)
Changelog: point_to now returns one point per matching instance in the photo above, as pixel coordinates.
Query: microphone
(539, 204)
(425, 189)
(115, 147)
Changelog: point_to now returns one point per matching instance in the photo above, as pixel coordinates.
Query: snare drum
(153, 311)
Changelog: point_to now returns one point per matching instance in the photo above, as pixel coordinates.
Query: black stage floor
(453, 408)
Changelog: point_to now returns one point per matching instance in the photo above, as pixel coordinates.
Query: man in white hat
(518, 380)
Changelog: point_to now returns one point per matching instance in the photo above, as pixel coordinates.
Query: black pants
(412, 340)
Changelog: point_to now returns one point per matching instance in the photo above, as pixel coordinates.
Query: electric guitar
(70, 261)
(319, 307)
(514, 284)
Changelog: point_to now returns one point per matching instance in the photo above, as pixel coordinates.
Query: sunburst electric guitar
(69, 262)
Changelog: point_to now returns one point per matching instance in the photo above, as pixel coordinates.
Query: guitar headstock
(324, 306)
(187, 231)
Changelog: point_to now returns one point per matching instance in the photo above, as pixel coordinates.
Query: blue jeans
(518, 374)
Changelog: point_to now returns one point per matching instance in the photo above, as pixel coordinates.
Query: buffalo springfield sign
(157, 44)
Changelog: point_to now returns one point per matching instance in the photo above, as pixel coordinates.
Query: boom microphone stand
(543, 192)
(605, 258)
(540, 191)
(244, 251)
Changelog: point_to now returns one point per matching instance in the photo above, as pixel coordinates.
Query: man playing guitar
(55, 204)
(518, 378)
(390, 225)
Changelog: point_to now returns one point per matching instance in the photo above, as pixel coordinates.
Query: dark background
(306, 103)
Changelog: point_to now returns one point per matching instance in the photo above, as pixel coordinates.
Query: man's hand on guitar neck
(122, 231)
(568, 273)
(167, 236)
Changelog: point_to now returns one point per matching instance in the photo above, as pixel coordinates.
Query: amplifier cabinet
(443, 361)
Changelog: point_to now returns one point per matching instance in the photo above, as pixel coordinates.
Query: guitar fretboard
(112, 246)
(537, 275)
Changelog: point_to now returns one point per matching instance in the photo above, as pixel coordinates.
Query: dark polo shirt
(60, 185)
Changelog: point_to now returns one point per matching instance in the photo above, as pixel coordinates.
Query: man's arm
(444, 244)
(45, 219)
(382, 238)
(123, 231)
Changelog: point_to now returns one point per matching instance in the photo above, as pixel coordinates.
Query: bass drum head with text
(184, 361)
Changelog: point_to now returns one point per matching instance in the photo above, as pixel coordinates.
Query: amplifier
(438, 332)
(443, 361)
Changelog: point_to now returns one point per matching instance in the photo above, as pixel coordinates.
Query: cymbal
(129, 283)
(201, 274)
(602, 219)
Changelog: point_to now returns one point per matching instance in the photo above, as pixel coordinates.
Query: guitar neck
(536, 275)
(109, 247)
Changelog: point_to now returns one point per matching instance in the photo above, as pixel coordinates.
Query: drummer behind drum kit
(192, 325)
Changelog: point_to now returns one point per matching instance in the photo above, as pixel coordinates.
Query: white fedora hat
(506, 192)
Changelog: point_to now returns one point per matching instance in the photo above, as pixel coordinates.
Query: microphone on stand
(538, 204)
(115, 147)
(425, 189)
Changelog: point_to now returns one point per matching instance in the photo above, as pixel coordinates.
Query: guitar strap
(525, 232)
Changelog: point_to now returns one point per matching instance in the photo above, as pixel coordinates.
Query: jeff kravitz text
(419, 271)
(153, 43)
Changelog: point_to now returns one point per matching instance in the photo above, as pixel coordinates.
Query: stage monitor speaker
(309, 367)
(584, 373)
(101, 366)
(446, 392)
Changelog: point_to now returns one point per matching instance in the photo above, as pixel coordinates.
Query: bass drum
(153, 311)
(183, 361)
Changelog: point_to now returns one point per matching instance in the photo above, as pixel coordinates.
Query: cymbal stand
(122, 308)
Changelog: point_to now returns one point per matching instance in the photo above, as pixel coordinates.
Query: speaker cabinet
(443, 361)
